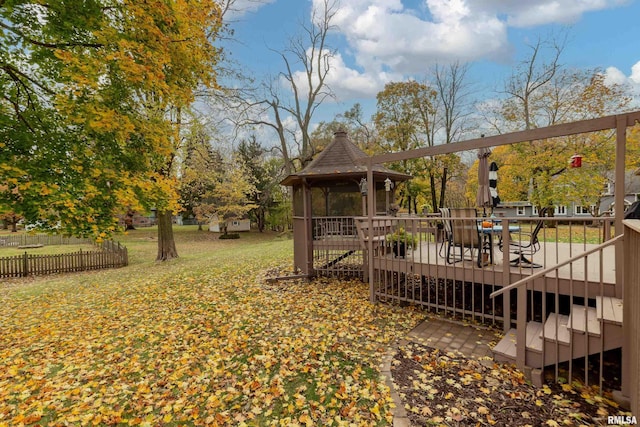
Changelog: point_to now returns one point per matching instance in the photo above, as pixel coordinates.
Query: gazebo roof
(338, 162)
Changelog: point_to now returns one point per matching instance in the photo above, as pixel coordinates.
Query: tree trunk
(443, 187)
(128, 220)
(434, 197)
(260, 216)
(166, 243)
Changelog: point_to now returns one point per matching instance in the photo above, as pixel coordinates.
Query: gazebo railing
(333, 227)
(336, 248)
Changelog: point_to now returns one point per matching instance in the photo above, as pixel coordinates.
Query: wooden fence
(41, 239)
(109, 254)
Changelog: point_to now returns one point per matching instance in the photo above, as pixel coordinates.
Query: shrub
(229, 236)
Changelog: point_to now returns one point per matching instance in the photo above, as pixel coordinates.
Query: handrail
(555, 267)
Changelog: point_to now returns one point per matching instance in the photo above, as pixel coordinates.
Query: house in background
(233, 225)
(607, 205)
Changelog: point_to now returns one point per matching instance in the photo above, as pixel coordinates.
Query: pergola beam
(564, 129)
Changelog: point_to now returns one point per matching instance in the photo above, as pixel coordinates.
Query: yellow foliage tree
(109, 92)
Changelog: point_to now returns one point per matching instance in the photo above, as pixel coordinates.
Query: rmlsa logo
(622, 420)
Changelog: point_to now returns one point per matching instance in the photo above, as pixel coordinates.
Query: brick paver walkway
(446, 335)
(471, 340)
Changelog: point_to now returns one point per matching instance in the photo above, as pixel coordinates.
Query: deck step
(560, 333)
(576, 321)
(506, 348)
(609, 309)
(534, 342)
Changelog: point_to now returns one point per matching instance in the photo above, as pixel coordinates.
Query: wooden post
(308, 228)
(506, 276)
(521, 328)
(630, 386)
(621, 141)
(25, 264)
(370, 211)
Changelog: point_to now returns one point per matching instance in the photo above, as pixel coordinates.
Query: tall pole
(621, 142)
(371, 209)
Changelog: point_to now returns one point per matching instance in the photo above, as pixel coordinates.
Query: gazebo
(327, 196)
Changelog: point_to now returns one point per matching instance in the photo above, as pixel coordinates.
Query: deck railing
(558, 327)
(426, 276)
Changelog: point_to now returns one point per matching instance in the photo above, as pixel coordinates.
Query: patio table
(489, 232)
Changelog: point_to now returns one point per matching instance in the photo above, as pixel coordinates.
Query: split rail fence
(108, 254)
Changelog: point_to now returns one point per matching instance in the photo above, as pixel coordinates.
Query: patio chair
(526, 244)
(446, 227)
(465, 235)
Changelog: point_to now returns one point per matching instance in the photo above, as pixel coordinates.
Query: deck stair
(561, 338)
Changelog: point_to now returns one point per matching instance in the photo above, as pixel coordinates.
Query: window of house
(534, 211)
(582, 210)
(520, 210)
(560, 210)
(608, 188)
(236, 223)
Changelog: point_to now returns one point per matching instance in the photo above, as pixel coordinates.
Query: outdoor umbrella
(493, 185)
(483, 197)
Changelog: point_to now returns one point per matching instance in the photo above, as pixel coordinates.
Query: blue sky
(390, 40)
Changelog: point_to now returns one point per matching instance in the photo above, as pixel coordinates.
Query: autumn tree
(230, 197)
(96, 95)
(361, 131)
(199, 169)
(403, 120)
(10, 219)
(543, 93)
(264, 174)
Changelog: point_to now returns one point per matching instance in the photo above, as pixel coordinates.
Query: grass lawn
(6, 251)
(199, 340)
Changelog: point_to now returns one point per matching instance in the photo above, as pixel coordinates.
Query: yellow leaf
(483, 410)
(306, 420)
(167, 418)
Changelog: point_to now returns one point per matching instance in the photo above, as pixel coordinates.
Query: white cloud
(238, 8)
(348, 83)
(614, 76)
(540, 12)
(632, 81)
(635, 73)
(387, 37)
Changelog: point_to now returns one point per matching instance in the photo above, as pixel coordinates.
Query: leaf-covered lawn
(197, 341)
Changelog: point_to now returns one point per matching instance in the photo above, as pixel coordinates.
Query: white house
(233, 225)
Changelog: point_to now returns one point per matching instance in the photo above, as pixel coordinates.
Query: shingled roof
(338, 161)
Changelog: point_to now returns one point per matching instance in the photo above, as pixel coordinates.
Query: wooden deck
(426, 260)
